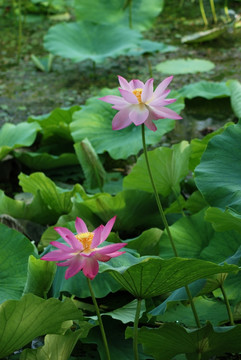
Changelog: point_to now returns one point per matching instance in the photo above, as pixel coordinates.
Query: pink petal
(128, 96)
(162, 86)
(165, 113)
(91, 268)
(109, 249)
(97, 236)
(69, 237)
(136, 84)
(147, 90)
(56, 255)
(75, 266)
(139, 117)
(124, 83)
(107, 229)
(61, 246)
(80, 226)
(121, 119)
(150, 124)
(112, 99)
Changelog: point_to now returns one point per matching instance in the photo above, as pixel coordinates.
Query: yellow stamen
(85, 239)
(137, 92)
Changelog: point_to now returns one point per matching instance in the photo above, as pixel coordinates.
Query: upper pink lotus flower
(139, 104)
(82, 252)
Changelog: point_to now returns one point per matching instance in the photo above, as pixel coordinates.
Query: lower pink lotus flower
(139, 104)
(83, 252)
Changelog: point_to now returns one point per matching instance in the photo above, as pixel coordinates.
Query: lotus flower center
(85, 239)
(137, 92)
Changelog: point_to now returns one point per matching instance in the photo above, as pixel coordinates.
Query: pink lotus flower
(83, 252)
(139, 104)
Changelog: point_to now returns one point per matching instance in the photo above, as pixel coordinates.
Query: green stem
(135, 335)
(203, 12)
(226, 10)
(130, 14)
(19, 30)
(230, 314)
(100, 320)
(163, 217)
(213, 11)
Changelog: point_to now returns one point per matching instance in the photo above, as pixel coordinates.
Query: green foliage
(16, 136)
(25, 319)
(184, 66)
(117, 11)
(87, 40)
(15, 249)
(206, 89)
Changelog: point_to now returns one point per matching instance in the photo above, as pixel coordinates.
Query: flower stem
(130, 14)
(100, 320)
(135, 335)
(230, 314)
(163, 217)
(203, 12)
(213, 11)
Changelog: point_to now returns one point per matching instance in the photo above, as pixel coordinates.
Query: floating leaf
(25, 319)
(184, 66)
(203, 36)
(144, 46)
(86, 40)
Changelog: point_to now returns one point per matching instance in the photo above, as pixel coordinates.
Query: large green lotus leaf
(86, 40)
(15, 136)
(44, 161)
(116, 12)
(198, 146)
(169, 167)
(235, 89)
(219, 172)
(194, 237)
(148, 243)
(94, 122)
(33, 208)
(135, 210)
(57, 199)
(59, 347)
(56, 123)
(184, 66)
(172, 339)
(15, 250)
(223, 220)
(211, 309)
(153, 276)
(40, 276)
(206, 89)
(25, 319)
